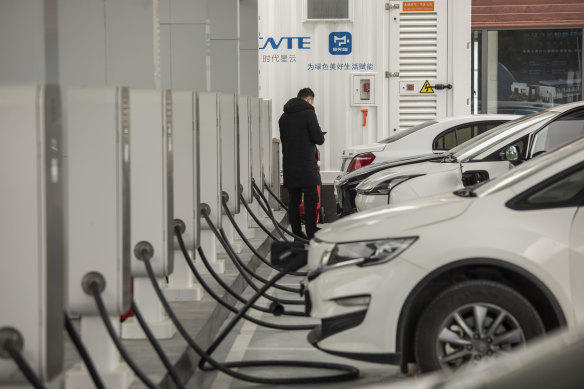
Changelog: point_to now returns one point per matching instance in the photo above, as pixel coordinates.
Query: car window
(446, 141)
(562, 130)
(456, 136)
(564, 190)
(484, 141)
(520, 144)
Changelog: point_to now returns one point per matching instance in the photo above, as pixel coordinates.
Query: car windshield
(478, 144)
(407, 132)
(529, 168)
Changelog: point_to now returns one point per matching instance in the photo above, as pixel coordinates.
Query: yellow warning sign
(427, 88)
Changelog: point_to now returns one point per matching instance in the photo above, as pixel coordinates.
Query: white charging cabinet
(181, 284)
(151, 166)
(32, 235)
(256, 141)
(210, 155)
(98, 158)
(245, 155)
(186, 167)
(230, 165)
(266, 142)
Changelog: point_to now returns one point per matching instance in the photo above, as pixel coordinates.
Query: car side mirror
(511, 153)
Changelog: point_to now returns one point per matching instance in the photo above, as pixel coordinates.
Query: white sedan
(455, 278)
(477, 160)
(435, 136)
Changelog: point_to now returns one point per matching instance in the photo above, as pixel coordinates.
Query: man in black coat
(299, 134)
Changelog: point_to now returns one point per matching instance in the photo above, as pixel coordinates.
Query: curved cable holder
(347, 372)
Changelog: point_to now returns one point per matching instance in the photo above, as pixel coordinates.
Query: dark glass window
(566, 128)
(565, 190)
(458, 135)
(327, 9)
(537, 69)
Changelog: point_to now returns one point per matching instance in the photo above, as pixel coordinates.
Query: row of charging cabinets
(88, 172)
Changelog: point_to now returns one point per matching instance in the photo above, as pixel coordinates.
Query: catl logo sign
(286, 42)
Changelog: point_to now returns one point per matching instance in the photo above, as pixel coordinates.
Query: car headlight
(384, 187)
(365, 253)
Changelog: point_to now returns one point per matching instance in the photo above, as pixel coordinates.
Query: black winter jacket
(299, 134)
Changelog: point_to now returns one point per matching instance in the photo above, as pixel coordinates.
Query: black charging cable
(275, 196)
(97, 381)
(165, 361)
(347, 372)
(273, 308)
(268, 210)
(270, 215)
(11, 345)
(255, 218)
(250, 271)
(248, 243)
(94, 284)
(205, 210)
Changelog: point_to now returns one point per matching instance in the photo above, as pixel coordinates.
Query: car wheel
(471, 321)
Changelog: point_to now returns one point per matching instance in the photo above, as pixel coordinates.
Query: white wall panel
(248, 69)
(22, 41)
(225, 66)
(224, 17)
(82, 42)
(188, 59)
(130, 43)
(189, 11)
(165, 57)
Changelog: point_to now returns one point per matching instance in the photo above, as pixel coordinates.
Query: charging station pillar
(181, 283)
(230, 165)
(98, 157)
(151, 205)
(256, 155)
(32, 233)
(245, 163)
(211, 184)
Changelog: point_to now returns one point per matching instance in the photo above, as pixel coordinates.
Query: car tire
(471, 321)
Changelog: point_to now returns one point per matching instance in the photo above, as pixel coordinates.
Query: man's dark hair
(305, 92)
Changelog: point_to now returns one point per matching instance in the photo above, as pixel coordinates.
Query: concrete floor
(204, 319)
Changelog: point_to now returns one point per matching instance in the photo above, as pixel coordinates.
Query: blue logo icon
(340, 43)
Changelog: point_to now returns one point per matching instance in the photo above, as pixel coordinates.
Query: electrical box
(186, 166)
(151, 167)
(245, 154)
(32, 234)
(210, 148)
(230, 170)
(256, 141)
(363, 89)
(98, 160)
(266, 142)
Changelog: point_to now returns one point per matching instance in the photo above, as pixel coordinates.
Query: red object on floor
(318, 204)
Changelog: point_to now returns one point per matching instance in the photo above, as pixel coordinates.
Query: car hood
(362, 173)
(354, 150)
(415, 169)
(394, 221)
